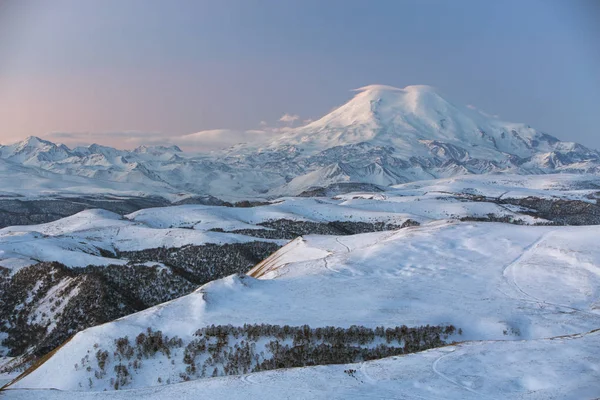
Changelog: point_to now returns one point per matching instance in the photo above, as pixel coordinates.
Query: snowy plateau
(400, 247)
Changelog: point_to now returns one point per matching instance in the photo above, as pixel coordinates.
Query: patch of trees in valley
(288, 229)
(46, 303)
(558, 211)
(220, 350)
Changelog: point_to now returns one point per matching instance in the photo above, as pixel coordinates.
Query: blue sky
(178, 67)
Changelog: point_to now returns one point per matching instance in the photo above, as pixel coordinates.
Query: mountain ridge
(383, 136)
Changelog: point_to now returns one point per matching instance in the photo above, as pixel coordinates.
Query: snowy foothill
(77, 240)
(554, 186)
(565, 368)
(497, 282)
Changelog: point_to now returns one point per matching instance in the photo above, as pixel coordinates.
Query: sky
(126, 72)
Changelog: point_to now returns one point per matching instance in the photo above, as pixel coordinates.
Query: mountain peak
(392, 101)
(388, 88)
(33, 140)
(377, 87)
(144, 149)
(378, 110)
(408, 118)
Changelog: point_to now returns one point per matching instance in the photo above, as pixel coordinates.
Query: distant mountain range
(382, 136)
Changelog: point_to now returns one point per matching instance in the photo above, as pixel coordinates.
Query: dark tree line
(95, 295)
(558, 211)
(219, 350)
(202, 264)
(27, 212)
(288, 229)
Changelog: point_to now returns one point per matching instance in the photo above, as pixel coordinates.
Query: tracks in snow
(348, 250)
(511, 277)
(337, 239)
(436, 371)
(509, 270)
(326, 263)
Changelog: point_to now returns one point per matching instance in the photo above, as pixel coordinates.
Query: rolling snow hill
(496, 282)
(95, 237)
(535, 369)
(113, 265)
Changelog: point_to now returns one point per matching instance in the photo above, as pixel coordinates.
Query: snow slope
(413, 118)
(564, 368)
(76, 240)
(295, 209)
(555, 186)
(495, 281)
(421, 201)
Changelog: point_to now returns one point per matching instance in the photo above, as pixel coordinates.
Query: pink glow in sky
(123, 73)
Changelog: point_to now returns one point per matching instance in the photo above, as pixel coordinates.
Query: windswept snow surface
(561, 368)
(553, 186)
(495, 281)
(76, 240)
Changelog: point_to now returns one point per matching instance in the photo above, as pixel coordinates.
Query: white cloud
(207, 140)
(472, 107)
(118, 139)
(222, 138)
(289, 118)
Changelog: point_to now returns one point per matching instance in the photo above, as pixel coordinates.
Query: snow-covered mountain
(415, 120)
(394, 225)
(382, 136)
(386, 134)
